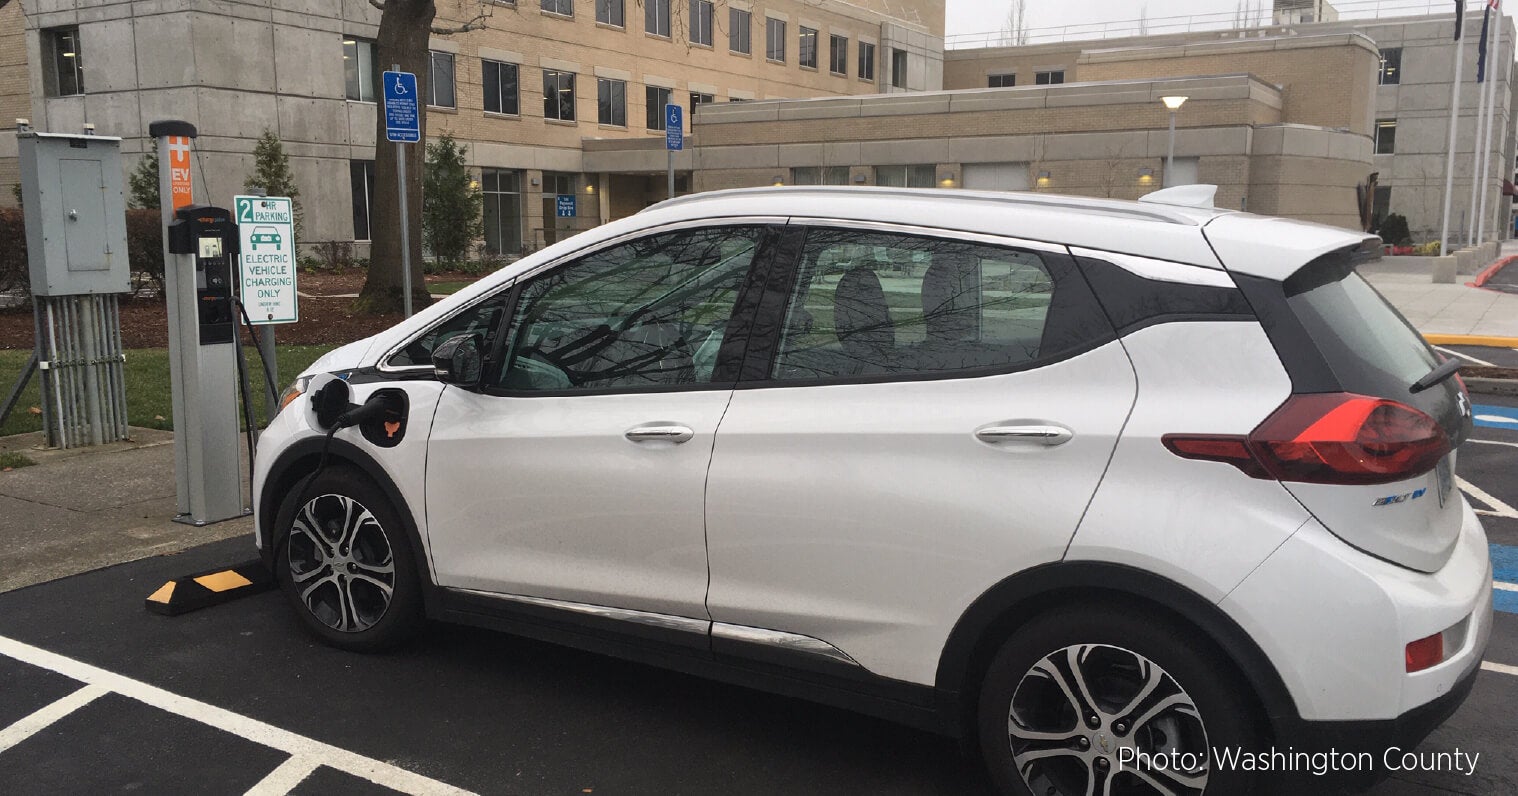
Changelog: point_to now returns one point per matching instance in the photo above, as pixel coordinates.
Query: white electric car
(1100, 486)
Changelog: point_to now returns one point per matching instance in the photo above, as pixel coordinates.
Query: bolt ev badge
(1402, 498)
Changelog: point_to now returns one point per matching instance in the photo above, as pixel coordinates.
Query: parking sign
(403, 118)
(266, 229)
(674, 128)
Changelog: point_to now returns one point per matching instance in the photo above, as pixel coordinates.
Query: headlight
(294, 391)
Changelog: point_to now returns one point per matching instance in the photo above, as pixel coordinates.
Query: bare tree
(1144, 20)
(404, 29)
(1114, 175)
(1014, 32)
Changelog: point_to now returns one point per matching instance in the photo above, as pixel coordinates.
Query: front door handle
(660, 433)
(1045, 434)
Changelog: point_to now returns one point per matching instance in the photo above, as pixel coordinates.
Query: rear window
(1370, 348)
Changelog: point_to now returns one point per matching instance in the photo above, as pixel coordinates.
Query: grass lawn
(447, 288)
(147, 384)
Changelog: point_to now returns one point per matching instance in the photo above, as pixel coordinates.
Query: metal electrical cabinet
(75, 210)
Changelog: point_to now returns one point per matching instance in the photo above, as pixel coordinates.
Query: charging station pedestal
(200, 244)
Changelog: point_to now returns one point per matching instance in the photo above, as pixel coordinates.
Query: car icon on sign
(265, 235)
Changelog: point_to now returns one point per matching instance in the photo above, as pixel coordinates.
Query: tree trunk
(404, 30)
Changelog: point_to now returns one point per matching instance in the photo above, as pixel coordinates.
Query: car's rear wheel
(345, 563)
(1110, 700)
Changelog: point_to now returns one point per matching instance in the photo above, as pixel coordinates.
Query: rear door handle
(1045, 434)
(655, 432)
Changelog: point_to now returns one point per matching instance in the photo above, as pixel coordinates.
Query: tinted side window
(650, 313)
(879, 304)
(480, 319)
(1133, 302)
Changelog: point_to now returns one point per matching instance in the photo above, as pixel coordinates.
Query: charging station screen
(210, 247)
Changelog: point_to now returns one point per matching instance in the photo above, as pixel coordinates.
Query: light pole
(1174, 104)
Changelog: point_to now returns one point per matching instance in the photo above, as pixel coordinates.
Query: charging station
(199, 246)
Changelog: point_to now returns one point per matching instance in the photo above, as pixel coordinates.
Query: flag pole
(1491, 113)
(1481, 107)
(1454, 115)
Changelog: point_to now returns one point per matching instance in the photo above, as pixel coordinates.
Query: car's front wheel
(1110, 700)
(345, 563)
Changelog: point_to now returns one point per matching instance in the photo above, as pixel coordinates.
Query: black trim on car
(732, 662)
(1133, 302)
(1299, 355)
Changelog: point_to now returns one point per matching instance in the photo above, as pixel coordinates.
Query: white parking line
(1500, 668)
(1497, 584)
(1463, 356)
(282, 780)
(42, 718)
(1498, 508)
(297, 746)
(1493, 442)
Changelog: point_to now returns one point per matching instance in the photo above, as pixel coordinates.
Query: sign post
(403, 125)
(674, 138)
(267, 274)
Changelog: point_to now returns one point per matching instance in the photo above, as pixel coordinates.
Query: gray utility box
(71, 195)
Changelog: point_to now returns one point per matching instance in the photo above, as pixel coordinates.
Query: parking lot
(98, 695)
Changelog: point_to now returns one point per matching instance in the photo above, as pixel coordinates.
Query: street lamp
(1174, 104)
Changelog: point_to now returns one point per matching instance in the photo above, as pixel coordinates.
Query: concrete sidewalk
(1447, 309)
(81, 509)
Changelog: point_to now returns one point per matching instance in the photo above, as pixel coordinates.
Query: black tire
(1118, 648)
(336, 582)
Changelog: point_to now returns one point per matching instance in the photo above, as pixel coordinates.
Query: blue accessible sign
(566, 206)
(674, 128)
(403, 118)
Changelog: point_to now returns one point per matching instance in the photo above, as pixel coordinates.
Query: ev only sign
(266, 230)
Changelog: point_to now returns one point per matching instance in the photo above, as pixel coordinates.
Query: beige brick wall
(15, 95)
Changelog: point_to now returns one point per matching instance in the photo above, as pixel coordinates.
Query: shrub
(13, 268)
(272, 175)
(143, 181)
(145, 248)
(1394, 230)
(452, 217)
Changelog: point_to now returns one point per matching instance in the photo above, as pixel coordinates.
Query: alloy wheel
(341, 563)
(1100, 720)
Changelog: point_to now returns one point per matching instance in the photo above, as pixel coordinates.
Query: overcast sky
(979, 16)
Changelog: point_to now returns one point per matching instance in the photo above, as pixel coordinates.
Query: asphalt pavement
(97, 695)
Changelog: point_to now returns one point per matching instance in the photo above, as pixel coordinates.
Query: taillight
(1328, 438)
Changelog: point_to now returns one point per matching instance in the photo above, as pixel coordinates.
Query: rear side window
(868, 304)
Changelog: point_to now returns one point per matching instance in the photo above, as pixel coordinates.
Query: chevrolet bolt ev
(1104, 488)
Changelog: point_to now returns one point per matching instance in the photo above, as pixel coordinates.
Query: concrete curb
(1486, 386)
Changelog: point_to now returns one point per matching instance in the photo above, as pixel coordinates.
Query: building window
(866, 61)
(442, 81)
(358, 69)
(904, 176)
(899, 68)
(808, 49)
(697, 98)
(361, 176)
(656, 99)
(774, 39)
(65, 75)
(1386, 136)
(501, 89)
(611, 102)
(838, 55)
(558, 95)
(1001, 81)
(561, 7)
(1391, 66)
(739, 28)
(1049, 78)
(554, 186)
(611, 12)
(656, 17)
(503, 210)
(820, 175)
(701, 22)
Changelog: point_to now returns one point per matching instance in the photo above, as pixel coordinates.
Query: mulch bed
(324, 319)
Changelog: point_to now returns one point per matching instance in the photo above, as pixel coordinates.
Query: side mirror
(458, 361)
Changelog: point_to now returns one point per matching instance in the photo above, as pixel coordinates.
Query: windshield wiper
(1446, 369)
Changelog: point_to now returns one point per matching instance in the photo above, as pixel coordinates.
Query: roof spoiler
(1183, 196)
